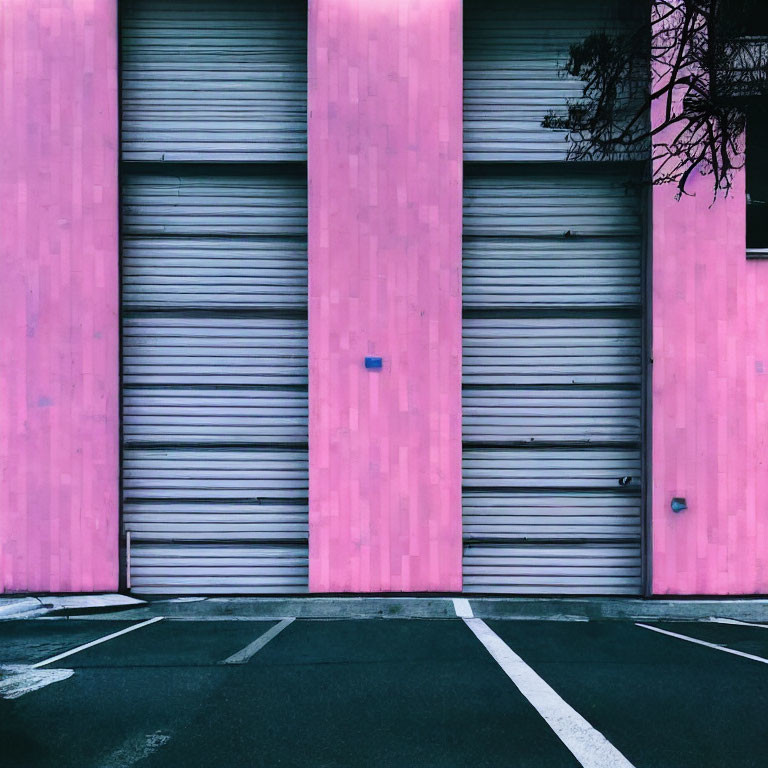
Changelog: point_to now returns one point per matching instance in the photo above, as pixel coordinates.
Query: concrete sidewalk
(521, 608)
(65, 605)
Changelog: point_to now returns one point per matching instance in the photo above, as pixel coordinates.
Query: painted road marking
(587, 744)
(135, 749)
(242, 656)
(96, 642)
(704, 643)
(463, 608)
(19, 679)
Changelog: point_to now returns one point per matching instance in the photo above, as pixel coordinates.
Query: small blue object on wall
(678, 505)
(373, 363)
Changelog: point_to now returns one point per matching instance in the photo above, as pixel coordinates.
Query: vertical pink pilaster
(710, 397)
(385, 185)
(58, 296)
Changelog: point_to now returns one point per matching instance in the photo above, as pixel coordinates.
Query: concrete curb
(520, 609)
(65, 605)
(23, 607)
(595, 609)
(315, 607)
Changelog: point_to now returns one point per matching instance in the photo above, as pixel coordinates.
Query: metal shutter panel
(532, 516)
(216, 273)
(552, 380)
(551, 468)
(214, 352)
(546, 415)
(512, 54)
(551, 201)
(576, 350)
(549, 569)
(591, 272)
(224, 80)
(213, 569)
(168, 414)
(266, 201)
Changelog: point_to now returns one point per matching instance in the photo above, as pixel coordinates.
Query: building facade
(301, 297)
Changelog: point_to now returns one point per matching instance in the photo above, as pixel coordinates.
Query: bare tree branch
(709, 60)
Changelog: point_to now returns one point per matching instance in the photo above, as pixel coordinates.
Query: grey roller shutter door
(552, 380)
(214, 81)
(214, 292)
(512, 54)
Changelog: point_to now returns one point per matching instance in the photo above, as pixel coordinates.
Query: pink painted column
(385, 186)
(58, 296)
(710, 397)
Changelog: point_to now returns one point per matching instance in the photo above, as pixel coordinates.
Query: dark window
(757, 145)
(757, 182)
(748, 17)
(756, 16)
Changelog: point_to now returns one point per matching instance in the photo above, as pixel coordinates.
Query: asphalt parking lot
(382, 692)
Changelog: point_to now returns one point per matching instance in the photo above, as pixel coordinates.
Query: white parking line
(463, 608)
(587, 744)
(96, 642)
(704, 643)
(242, 656)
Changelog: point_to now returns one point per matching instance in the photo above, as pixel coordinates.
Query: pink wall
(385, 171)
(710, 397)
(58, 296)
